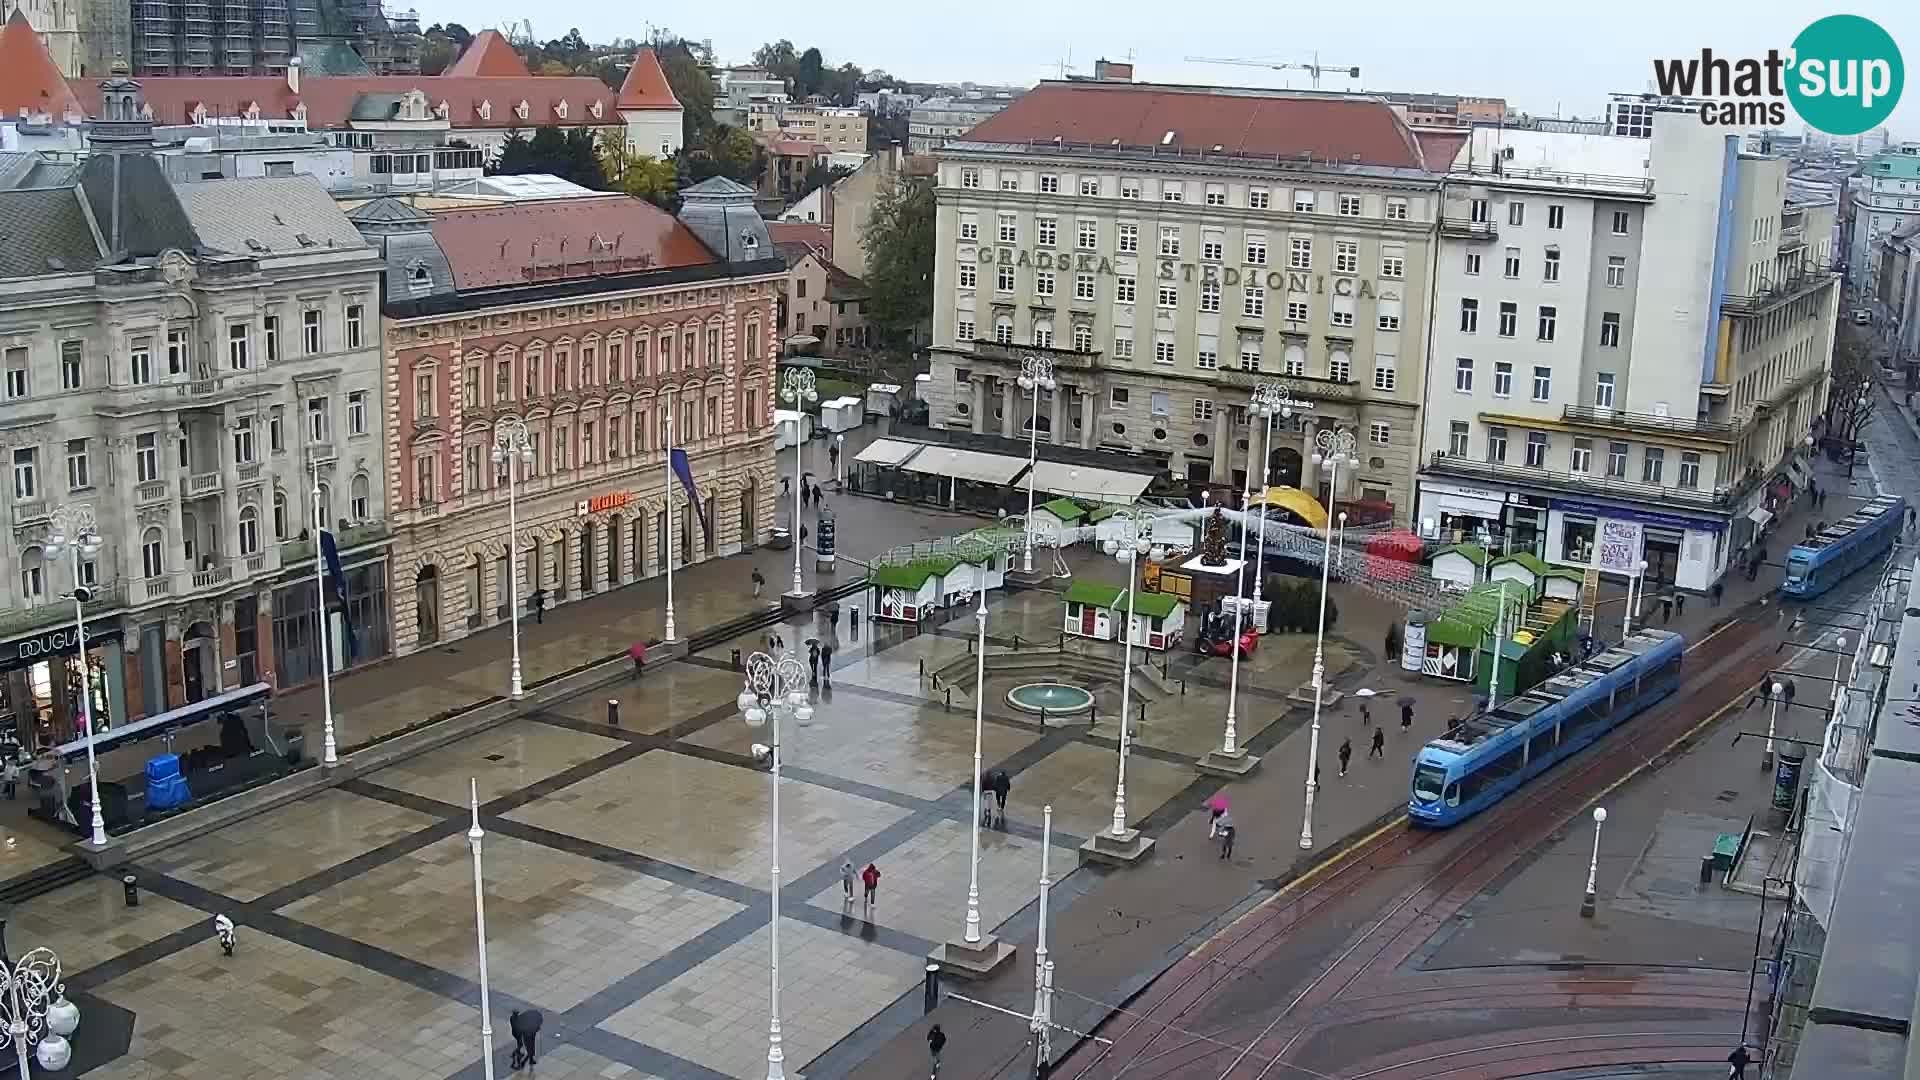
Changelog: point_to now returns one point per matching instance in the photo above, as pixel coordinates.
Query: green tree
(899, 242)
(691, 84)
(642, 176)
(777, 58)
(516, 155)
(807, 73)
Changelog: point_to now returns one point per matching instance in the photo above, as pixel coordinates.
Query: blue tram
(1492, 753)
(1841, 548)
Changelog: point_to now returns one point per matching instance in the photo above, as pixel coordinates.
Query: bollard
(132, 886)
(1043, 716)
(1143, 712)
(936, 680)
(923, 667)
(853, 619)
(949, 693)
(1183, 686)
(613, 712)
(736, 659)
(931, 1000)
(1706, 870)
(1016, 643)
(969, 646)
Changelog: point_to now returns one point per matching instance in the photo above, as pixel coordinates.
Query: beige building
(1169, 248)
(840, 130)
(825, 307)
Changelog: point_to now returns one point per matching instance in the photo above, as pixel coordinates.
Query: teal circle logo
(1846, 75)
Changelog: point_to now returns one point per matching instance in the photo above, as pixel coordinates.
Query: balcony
(1748, 305)
(151, 492)
(218, 575)
(1459, 228)
(155, 588)
(200, 485)
(1445, 464)
(1793, 236)
(27, 511)
(1618, 187)
(249, 473)
(1622, 420)
(301, 550)
(322, 454)
(1063, 359)
(55, 612)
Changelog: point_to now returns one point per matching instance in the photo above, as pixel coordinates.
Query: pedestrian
(1406, 715)
(1763, 693)
(846, 880)
(525, 1026)
(223, 933)
(538, 601)
(1680, 604)
(1737, 1063)
(1393, 643)
(1366, 717)
(10, 774)
(1717, 592)
(870, 879)
(759, 582)
(1786, 691)
(813, 661)
(833, 458)
(1225, 827)
(1346, 754)
(1002, 787)
(817, 501)
(1666, 608)
(638, 651)
(936, 1042)
(826, 662)
(1379, 748)
(786, 486)
(1809, 530)
(806, 493)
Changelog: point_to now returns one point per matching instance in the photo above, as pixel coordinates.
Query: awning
(1760, 516)
(1082, 481)
(889, 452)
(965, 465)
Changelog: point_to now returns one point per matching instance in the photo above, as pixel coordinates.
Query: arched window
(153, 553)
(361, 494)
(1003, 329)
(1043, 333)
(279, 515)
(33, 574)
(249, 531)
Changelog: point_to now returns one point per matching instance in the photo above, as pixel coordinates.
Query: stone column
(1087, 436)
(978, 386)
(1058, 436)
(1222, 447)
(1008, 403)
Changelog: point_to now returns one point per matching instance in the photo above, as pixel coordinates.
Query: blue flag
(337, 585)
(684, 471)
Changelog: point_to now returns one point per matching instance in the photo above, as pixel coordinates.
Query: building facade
(1166, 280)
(184, 362)
(1620, 370)
(1887, 202)
(649, 333)
(940, 119)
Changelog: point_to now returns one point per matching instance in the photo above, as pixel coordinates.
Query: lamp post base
(972, 960)
(1766, 760)
(1110, 850)
(1038, 576)
(1230, 766)
(1587, 907)
(791, 602)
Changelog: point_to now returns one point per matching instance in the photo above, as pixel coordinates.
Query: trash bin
(132, 886)
(1706, 869)
(781, 538)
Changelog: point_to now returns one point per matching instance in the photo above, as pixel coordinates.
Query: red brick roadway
(1247, 1006)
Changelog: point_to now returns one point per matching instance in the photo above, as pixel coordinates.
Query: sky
(1540, 57)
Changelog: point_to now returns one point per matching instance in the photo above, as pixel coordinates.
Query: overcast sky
(1523, 51)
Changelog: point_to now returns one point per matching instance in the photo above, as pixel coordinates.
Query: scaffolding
(260, 37)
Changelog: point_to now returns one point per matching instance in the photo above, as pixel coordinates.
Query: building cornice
(1221, 166)
(506, 298)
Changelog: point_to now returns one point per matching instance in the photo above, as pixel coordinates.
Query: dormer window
(146, 110)
(419, 278)
(485, 110)
(597, 109)
(560, 108)
(199, 113)
(253, 110)
(440, 110)
(521, 110)
(300, 113)
(414, 106)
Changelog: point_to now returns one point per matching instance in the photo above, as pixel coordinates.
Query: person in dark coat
(1737, 1063)
(826, 662)
(525, 1027)
(1346, 754)
(1406, 715)
(936, 1042)
(813, 660)
(1000, 783)
(1379, 749)
(538, 601)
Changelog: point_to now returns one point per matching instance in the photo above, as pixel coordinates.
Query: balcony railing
(1013, 354)
(301, 550)
(206, 483)
(1582, 483)
(55, 611)
(1618, 185)
(218, 575)
(156, 587)
(153, 492)
(1749, 304)
(1623, 420)
(30, 510)
(249, 473)
(1464, 229)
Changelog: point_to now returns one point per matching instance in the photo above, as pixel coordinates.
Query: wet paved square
(504, 760)
(88, 922)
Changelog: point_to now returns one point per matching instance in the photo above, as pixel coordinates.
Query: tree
(569, 155)
(443, 45)
(777, 58)
(821, 175)
(899, 242)
(691, 84)
(516, 155)
(1850, 393)
(642, 176)
(807, 73)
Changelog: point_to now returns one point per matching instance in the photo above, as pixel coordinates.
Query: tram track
(1464, 860)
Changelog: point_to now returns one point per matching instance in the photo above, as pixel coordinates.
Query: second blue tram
(1492, 753)
(1846, 545)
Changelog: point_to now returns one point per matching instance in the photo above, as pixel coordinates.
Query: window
(1250, 356)
(1556, 216)
(423, 487)
(1216, 195)
(1610, 329)
(1213, 246)
(1083, 287)
(1296, 360)
(1256, 249)
(1619, 223)
(1389, 316)
(1616, 271)
(1003, 279)
(1163, 350)
(1003, 330)
(1082, 338)
(1381, 433)
(1340, 368)
(26, 479)
(1303, 201)
(357, 413)
(79, 465)
(1047, 231)
(1536, 449)
(1689, 469)
(310, 331)
(1496, 444)
(1385, 374)
(360, 499)
(1169, 294)
(153, 558)
(1009, 229)
(1393, 265)
(237, 353)
(270, 326)
(1124, 289)
(969, 178)
(1259, 198)
(249, 531)
(1463, 375)
(1548, 317)
(1123, 345)
(1509, 319)
(1341, 313)
(1349, 206)
(1457, 438)
(1502, 379)
(17, 385)
(1478, 211)
(1469, 315)
(1298, 311)
(356, 316)
(317, 420)
(969, 228)
(1173, 191)
(72, 368)
(140, 361)
(1117, 398)
(1516, 213)
(423, 395)
(1513, 263)
(1253, 303)
(1300, 253)
(1043, 283)
(1346, 257)
(33, 574)
(1651, 464)
(1603, 390)
(1473, 263)
(1159, 403)
(1203, 408)
(1542, 383)
(1087, 233)
(969, 275)
(177, 348)
(1550, 269)
(1049, 185)
(1210, 296)
(1170, 240)
(1089, 187)
(1581, 461)
(1129, 237)
(1129, 188)
(1009, 181)
(146, 457)
(243, 440)
(1043, 334)
(1396, 209)
(1617, 460)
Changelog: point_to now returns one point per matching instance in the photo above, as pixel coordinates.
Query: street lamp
(1268, 398)
(474, 836)
(1036, 374)
(1839, 661)
(1638, 578)
(39, 1016)
(511, 446)
(1773, 713)
(330, 754)
(774, 686)
(1593, 864)
(972, 936)
(1042, 1023)
(73, 532)
(797, 389)
(840, 461)
(1333, 447)
(1133, 539)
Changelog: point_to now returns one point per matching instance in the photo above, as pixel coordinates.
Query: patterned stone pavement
(626, 871)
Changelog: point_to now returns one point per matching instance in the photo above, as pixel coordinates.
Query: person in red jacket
(639, 654)
(870, 877)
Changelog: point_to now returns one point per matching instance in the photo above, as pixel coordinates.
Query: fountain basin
(1050, 698)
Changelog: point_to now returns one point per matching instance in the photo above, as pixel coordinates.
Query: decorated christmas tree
(1213, 540)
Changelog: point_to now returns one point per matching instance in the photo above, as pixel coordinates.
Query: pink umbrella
(1218, 803)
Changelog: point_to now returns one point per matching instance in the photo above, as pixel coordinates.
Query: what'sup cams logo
(1843, 75)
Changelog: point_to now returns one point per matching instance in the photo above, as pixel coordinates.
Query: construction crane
(1316, 68)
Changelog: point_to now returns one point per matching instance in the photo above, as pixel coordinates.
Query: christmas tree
(1213, 540)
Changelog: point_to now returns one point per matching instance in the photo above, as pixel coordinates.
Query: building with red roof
(655, 121)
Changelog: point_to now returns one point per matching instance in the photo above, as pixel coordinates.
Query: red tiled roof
(646, 84)
(489, 54)
(29, 79)
(797, 148)
(548, 241)
(1200, 118)
(329, 99)
(810, 233)
(1441, 145)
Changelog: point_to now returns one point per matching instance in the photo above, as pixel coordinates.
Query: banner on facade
(1619, 546)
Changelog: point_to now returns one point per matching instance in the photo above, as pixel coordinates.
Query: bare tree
(1851, 395)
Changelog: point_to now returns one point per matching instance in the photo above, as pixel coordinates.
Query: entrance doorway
(426, 604)
(1283, 467)
(1663, 556)
(586, 558)
(197, 660)
(613, 551)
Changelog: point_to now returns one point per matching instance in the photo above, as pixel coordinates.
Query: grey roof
(389, 212)
(45, 231)
(375, 107)
(14, 167)
(280, 214)
(721, 213)
(717, 187)
(141, 207)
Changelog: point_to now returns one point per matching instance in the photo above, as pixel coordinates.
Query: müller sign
(1080, 262)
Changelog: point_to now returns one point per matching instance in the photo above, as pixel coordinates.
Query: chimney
(293, 75)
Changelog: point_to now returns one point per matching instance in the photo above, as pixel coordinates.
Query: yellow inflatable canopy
(1305, 506)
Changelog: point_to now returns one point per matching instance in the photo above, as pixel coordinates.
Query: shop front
(1502, 522)
(42, 677)
(357, 633)
(1680, 552)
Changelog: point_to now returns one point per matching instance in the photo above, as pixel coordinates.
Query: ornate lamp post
(73, 533)
(1036, 374)
(1773, 714)
(330, 753)
(972, 933)
(1230, 758)
(512, 446)
(1269, 398)
(797, 389)
(1135, 539)
(1587, 904)
(1331, 448)
(774, 686)
(1638, 578)
(38, 1015)
(474, 837)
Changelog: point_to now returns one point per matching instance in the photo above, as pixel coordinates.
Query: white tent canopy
(972, 465)
(890, 452)
(1083, 481)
